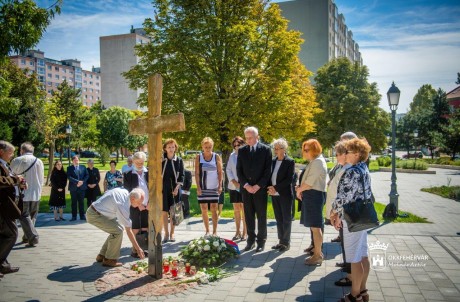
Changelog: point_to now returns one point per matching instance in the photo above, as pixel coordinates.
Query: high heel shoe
(236, 237)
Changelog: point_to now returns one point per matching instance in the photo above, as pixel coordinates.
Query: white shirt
(125, 169)
(231, 170)
(143, 185)
(34, 177)
(115, 204)
(275, 173)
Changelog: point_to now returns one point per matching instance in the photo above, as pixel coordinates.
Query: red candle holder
(187, 268)
(165, 267)
(174, 271)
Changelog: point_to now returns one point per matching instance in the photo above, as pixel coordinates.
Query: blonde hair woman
(208, 175)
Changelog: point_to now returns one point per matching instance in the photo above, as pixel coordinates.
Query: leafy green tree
(423, 99)
(458, 78)
(451, 133)
(134, 142)
(22, 24)
(349, 103)
(226, 65)
(113, 126)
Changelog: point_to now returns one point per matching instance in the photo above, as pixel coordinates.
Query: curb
(410, 171)
(448, 167)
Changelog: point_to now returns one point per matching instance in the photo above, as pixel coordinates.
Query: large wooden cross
(154, 125)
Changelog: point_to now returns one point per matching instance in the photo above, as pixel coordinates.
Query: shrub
(455, 194)
(104, 155)
(412, 164)
(384, 161)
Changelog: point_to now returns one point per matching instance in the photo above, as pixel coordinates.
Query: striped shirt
(209, 181)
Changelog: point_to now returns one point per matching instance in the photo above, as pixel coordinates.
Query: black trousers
(8, 237)
(255, 205)
(282, 207)
(77, 198)
(347, 267)
(185, 204)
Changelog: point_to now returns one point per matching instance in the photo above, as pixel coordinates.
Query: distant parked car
(413, 155)
(89, 154)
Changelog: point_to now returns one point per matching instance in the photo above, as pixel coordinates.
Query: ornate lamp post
(68, 130)
(393, 100)
(415, 143)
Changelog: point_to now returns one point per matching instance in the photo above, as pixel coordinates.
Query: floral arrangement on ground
(209, 251)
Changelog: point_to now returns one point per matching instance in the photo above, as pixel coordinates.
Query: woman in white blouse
(234, 189)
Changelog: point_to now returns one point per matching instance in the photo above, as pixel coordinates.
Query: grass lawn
(228, 209)
(452, 192)
(373, 166)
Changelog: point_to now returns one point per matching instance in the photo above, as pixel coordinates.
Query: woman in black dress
(57, 197)
(93, 190)
(173, 178)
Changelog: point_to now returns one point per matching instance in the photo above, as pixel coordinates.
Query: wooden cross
(154, 125)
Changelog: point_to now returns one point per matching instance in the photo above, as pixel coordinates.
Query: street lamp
(393, 100)
(68, 130)
(415, 143)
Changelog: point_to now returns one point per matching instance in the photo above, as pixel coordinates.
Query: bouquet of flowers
(208, 251)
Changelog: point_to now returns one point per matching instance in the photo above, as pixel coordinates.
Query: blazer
(178, 167)
(131, 180)
(75, 176)
(9, 210)
(284, 177)
(254, 169)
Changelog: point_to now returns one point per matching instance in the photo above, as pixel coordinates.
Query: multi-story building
(52, 72)
(324, 30)
(117, 56)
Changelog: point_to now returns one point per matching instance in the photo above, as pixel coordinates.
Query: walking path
(62, 267)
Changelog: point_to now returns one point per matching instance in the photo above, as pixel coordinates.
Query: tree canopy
(349, 103)
(226, 65)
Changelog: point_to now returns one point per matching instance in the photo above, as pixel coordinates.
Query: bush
(442, 161)
(412, 164)
(384, 161)
(298, 160)
(455, 194)
(104, 155)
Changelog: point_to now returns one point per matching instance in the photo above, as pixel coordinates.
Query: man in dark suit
(10, 207)
(78, 178)
(280, 189)
(253, 168)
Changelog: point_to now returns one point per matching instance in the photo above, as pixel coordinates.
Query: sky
(410, 42)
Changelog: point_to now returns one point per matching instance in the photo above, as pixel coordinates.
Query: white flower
(192, 246)
(206, 241)
(200, 249)
(204, 279)
(215, 243)
(206, 248)
(200, 241)
(223, 245)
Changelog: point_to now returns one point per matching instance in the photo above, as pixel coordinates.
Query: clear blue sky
(411, 42)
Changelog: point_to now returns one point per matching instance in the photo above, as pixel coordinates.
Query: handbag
(176, 212)
(142, 237)
(360, 215)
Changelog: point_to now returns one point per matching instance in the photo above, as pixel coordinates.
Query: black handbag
(360, 215)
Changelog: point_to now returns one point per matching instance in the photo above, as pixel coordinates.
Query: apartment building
(52, 72)
(117, 56)
(325, 33)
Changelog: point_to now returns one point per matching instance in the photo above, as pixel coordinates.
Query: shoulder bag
(360, 215)
(176, 213)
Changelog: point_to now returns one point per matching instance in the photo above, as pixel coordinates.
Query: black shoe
(73, 219)
(260, 247)
(340, 264)
(249, 247)
(83, 218)
(276, 247)
(284, 248)
(343, 282)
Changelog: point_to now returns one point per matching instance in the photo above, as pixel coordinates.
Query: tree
(349, 103)
(22, 24)
(452, 133)
(458, 78)
(134, 142)
(226, 65)
(113, 126)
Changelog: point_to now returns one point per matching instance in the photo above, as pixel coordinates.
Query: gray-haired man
(110, 213)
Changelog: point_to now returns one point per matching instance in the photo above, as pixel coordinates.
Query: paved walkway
(62, 266)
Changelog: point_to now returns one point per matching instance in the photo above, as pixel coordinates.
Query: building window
(97, 83)
(64, 78)
(91, 76)
(91, 89)
(64, 70)
(23, 61)
(84, 82)
(91, 82)
(97, 91)
(90, 97)
(98, 98)
(56, 84)
(50, 75)
(97, 77)
(84, 89)
(56, 76)
(49, 67)
(31, 63)
(85, 75)
(49, 83)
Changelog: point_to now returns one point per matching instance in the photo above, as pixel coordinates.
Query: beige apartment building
(325, 33)
(117, 56)
(52, 72)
